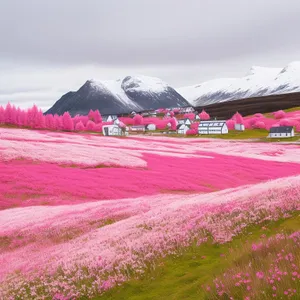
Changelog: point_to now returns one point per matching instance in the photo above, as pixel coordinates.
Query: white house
(109, 118)
(182, 128)
(151, 127)
(281, 132)
(140, 128)
(113, 130)
(239, 127)
(212, 127)
(185, 121)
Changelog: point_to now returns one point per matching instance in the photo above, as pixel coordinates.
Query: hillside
(259, 81)
(249, 106)
(119, 96)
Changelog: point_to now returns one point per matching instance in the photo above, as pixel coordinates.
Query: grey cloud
(135, 32)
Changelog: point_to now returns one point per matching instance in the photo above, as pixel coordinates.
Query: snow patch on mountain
(114, 88)
(144, 84)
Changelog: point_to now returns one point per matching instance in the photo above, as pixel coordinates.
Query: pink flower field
(81, 214)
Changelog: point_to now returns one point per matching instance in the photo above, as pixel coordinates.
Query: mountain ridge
(259, 81)
(119, 96)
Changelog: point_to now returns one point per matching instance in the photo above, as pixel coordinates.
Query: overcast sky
(50, 47)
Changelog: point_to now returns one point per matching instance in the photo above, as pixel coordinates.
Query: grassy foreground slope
(190, 275)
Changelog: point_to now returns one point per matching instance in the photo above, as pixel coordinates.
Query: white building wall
(239, 127)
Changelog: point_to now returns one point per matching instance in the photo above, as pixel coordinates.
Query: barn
(182, 128)
(212, 127)
(281, 132)
(239, 127)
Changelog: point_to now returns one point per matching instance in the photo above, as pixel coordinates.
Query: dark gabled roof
(281, 129)
(179, 125)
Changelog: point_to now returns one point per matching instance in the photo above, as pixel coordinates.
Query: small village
(184, 122)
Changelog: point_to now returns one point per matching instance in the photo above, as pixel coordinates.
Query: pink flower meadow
(81, 214)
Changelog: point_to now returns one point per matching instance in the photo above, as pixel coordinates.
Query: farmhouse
(113, 130)
(140, 128)
(182, 128)
(212, 127)
(239, 127)
(109, 118)
(281, 132)
(150, 127)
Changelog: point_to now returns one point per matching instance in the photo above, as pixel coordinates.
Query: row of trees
(35, 119)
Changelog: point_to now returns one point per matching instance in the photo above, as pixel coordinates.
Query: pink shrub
(190, 116)
(138, 120)
(259, 125)
(90, 126)
(286, 122)
(98, 127)
(280, 114)
(192, 132)
(79, 126)
(195, 125)
(297, 127)
(238, 118)
(2, 115)
(67, 122)
(230, 124)
(173, 123)
(258, 115)
(204, 115)
(129, 121)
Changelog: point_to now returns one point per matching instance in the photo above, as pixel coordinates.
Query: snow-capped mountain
(119, 96)
(259, 81)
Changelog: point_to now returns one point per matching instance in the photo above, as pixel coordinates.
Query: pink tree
(98, 127)
(230, 124)
(297, 127)
(204, 115)
(40, 120)
(280, 114)
(79, 126)
(67, 122)
(2, 115)
(97, 117)
(14, 115)
(18, 117)
(90, 126)
(50, 122)
(238, 118)
(23, 118)
(32, 114)
(259, 125)
(137, 120)
(173, 123)
(190, 116)
(58, 122)
(286, 122)
(91, 115)
(8, 114)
